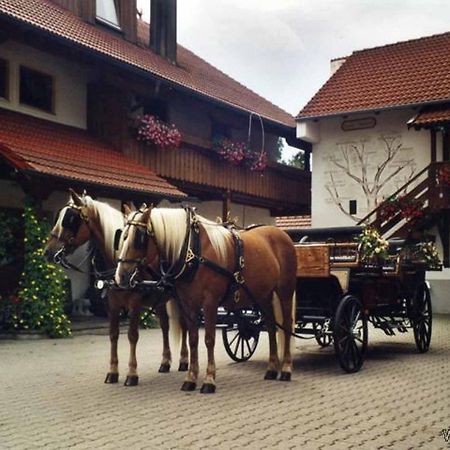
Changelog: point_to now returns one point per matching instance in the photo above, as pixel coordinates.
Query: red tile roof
(431, 115)
(293, 222)
(61, 151)
(192, 72)
(406, 73)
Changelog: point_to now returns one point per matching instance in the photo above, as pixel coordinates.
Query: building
(380, 127)
(76, 75)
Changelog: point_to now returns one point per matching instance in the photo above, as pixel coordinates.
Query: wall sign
(358, 124)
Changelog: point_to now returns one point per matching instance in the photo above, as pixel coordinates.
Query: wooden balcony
(197, 170)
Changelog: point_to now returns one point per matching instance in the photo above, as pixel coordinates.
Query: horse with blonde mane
(84, 219)
(205, 265)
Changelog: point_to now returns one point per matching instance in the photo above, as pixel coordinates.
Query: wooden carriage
(339, 292)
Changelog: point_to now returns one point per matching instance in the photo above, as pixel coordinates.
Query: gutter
(373, 111)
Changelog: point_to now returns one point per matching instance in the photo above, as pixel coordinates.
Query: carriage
(339, 292)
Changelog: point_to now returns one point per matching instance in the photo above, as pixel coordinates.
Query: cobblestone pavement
(53, 396)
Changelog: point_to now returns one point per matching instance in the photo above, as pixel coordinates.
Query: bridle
(71, 222)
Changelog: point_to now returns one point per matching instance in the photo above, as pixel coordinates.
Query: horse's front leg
(164, 324)
(209, 384)
(133, 337)
(114, 316)
(190, 382)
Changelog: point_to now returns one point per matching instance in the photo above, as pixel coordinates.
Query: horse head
(136, 250)
(71, 229)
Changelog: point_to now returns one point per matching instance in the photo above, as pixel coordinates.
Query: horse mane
(110, 220)
(169, 226)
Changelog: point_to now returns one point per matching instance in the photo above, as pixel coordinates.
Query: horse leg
(287, 305)
(274, 362)
(184, 354)
(190, 382)
(114, 314)
(133, 337)
(164, 323)
(209, 384)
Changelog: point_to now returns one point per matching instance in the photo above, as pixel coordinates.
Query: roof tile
(191, 71)
(62, 151)
(406, 73)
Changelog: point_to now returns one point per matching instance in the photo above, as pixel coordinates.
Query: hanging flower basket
(233, 152)
(153, 131)
(256, 161)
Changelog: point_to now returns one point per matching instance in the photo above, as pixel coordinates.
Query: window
(352, 207)
(3, 79)
(36, 89)
(108, 12)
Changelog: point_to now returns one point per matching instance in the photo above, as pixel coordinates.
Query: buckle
(189, 256)
(238, 278)
(241, 262)
(237, 296)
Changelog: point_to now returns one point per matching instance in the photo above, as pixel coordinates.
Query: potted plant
(154, 131)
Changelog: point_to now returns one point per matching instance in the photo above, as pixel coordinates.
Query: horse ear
(146, 215)
(126, 209)
(78, 201)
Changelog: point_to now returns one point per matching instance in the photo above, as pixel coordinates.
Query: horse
(205, 266)
(84, 219)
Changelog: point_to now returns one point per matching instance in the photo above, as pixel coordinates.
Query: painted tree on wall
(370, 175)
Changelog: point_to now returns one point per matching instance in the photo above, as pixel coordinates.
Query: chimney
(336, 63)
(163, 28)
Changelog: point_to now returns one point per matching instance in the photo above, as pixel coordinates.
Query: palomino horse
(203, 264)
(85, 219)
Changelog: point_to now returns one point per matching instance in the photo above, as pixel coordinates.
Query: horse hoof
(132, 380)
(271, 375)
(112, 378)
(164, 368)
(208, 388)
(285, 376)
(183, 367)
(188, 386)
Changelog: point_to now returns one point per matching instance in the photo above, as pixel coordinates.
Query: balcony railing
(195, 167)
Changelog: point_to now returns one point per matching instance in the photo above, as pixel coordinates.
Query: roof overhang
(39, 148)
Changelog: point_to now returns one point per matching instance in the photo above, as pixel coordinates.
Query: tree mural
(370, 169)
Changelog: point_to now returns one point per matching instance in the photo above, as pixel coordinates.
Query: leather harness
(190, 259)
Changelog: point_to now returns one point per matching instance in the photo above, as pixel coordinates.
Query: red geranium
(153, 131)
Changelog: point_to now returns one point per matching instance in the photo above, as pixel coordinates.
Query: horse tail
(174, 322)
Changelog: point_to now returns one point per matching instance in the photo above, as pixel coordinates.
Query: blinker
(72, 220)
(117, 237)
(140, 239)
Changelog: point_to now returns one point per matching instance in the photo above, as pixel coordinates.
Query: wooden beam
(433, 145)
(226, 205)
(446, 144)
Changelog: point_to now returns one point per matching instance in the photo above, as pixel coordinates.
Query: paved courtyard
(52, 396)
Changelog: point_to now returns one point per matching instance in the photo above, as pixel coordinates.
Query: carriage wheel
(323, 339)
(350, 334)
(241, 335)
(421, 319)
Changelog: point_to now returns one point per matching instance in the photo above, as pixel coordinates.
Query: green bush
(39, 302)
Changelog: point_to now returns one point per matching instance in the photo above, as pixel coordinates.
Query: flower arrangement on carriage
(154, 131)
(425, 253)
(373, 248)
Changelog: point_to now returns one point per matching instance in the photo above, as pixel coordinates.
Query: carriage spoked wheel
(241, 335)
(322, 338)
(350, 334)
(421, 319)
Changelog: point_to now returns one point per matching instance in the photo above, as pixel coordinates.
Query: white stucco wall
(70, 80)
(331, 183)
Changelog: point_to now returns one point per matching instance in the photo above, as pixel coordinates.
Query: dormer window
(107, 12)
